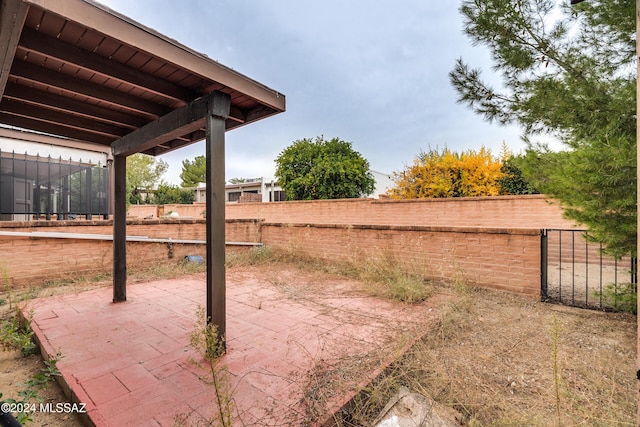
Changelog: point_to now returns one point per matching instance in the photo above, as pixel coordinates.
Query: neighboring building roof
(80, 70)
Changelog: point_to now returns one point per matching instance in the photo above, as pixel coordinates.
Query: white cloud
(372, 73)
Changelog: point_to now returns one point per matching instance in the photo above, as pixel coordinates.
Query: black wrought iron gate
(577, 273)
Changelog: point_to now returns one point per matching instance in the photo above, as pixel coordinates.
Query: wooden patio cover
(79, 70)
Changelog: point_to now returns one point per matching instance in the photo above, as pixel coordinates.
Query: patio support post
(120, 229)
(217, 112)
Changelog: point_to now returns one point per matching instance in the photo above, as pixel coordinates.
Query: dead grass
(492, 359)
(382, 277)
(492, 356)
(498, 359)
(361, 375)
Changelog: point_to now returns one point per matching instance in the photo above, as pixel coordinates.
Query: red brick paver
(131, 362)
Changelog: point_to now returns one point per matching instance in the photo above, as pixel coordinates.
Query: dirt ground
(496, 358)
(580, 284)
(503, 359)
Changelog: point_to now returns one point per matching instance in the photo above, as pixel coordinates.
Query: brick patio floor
(131, 363)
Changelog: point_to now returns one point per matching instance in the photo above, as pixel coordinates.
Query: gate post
(543, 265)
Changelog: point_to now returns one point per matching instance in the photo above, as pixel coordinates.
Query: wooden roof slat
(165, 147)
(34, 17)
(79, 57)
(111, 24)
(52, 128)
(70, 84)
(237, 115)
(80, 70)
(258, 112)
(100, 45)
(57, 117)
(76, 107)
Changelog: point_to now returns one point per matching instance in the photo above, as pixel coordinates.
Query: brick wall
(530, 211)
(507, 259)
(31, 260)
(195, 211)
(489, 241)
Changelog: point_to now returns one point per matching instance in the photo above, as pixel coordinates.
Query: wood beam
(259, 113)
(24, 71)
(172, 125)
(12, 17)
(237, 115)
(32, 41)
(217, 113)
(174, 144)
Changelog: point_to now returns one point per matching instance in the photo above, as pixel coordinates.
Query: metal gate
(577, 273)
(35, 187)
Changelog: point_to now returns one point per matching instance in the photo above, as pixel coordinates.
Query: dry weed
(501, 359)
(382, 277)
(497, 358)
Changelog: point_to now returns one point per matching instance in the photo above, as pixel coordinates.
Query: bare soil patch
(15, 370)
(494, 357)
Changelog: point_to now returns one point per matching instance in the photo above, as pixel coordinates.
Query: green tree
(513, 180)
(172, 194)
(194, 171)
(238, 180)
(567, 71)
(144, 172)
(318, 169)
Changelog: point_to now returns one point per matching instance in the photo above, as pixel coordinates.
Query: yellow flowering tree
(444, 173)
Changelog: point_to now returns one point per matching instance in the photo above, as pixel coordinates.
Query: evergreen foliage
(144, 172)
(165, 194)
(513, 181)
(567, 71)
(311, 169)
(194, 172)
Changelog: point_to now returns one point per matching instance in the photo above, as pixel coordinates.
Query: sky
(373, 73)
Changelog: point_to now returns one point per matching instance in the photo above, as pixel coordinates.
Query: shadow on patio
(287, 333)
